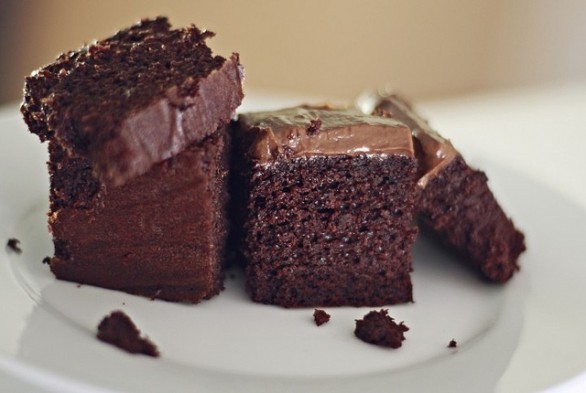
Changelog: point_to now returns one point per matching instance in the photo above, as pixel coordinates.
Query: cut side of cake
(160, 235)
(326, 200)
(138, 160)
(456, 205)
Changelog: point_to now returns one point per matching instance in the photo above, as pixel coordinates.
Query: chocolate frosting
(307, 131)
(435, 152)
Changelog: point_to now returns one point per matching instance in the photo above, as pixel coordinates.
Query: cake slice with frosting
(326, 201)
(138, 159)
(456, 202)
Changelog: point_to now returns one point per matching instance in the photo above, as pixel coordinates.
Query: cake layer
(160, 235)
(325, 229)
(302, 286)
(331, 231)
(134, 99)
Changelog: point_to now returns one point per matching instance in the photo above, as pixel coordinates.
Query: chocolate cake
(134, 99)
(378, 328)
(119, 330)
(160, 235)
(456, 204)
(326, 207)
(138, 149)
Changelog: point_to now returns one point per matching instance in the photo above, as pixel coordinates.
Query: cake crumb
(14, 245)
(453, 344)
(119, 330)
(378, 328)
(320, 317)
(47, 260)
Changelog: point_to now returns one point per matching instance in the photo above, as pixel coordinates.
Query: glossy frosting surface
(309, 131)
(434, 151)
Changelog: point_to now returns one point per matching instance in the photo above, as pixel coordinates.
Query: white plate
(47, 334)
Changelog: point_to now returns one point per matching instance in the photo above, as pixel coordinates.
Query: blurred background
(330, 48)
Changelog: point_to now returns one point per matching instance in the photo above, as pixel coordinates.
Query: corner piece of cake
(327, 199)
(457, 205)
(138, 159)
(134, 99)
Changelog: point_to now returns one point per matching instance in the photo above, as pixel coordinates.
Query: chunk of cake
(138, 160)
(119, 330)
(456, 203)
(320, 317)
(160, 235)
(326, 207)
(378, 328)
(134, 99)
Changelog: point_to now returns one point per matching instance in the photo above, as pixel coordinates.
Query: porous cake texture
(379, 328)
(326, 217)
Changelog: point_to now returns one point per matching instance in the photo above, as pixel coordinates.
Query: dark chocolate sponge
(134, 99)
(457, 205)
(119, 330)
(160, 235)
(324, 229)
(378, 328)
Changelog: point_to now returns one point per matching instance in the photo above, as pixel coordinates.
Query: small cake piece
(138, 160)
(456, 205)
(453, 344)
(320, 317)
(119, 330)
(378, 328)
(327, 199)
(14, 245)
(134, 99)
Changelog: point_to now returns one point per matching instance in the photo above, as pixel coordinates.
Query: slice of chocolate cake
(160, 235)
(138, 152)
(327, 199)
(134, 99)
(456, 204)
